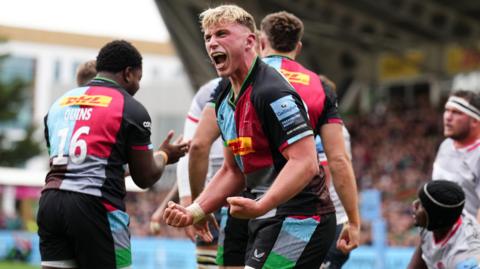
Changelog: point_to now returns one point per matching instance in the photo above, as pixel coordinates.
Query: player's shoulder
(207, 89)
(134, 109)
(446, 145)
(269, 82)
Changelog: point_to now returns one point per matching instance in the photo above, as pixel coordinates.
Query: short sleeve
(138, 126)
(330, 113)
(282, 115)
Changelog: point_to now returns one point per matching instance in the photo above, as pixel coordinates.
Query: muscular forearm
(198, 167)
(294, 177)
(224, 184)
(149, 172)
(345, 185)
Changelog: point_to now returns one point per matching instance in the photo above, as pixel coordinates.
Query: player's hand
(155, 222)
(190, 232)
(349, 238)
(177, 216)
(175, 150)
(244, 208)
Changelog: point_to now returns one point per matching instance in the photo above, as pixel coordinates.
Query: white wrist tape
(197, 212)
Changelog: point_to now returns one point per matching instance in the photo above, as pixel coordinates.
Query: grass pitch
(17, 265)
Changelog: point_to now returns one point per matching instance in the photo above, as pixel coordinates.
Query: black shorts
(232, 241)
(289, 241)
(335, 258)
(82, 231)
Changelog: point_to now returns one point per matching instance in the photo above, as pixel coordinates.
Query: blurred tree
(14, 93)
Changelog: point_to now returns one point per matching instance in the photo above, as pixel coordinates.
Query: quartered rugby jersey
(463, 167)
(266, 117)
(458, 250)
(321, 102)
(89, 131)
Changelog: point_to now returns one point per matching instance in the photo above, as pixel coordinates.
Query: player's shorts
(289, 241)
(232, 241)
(335, 258)
(207, 251)
(82, 231)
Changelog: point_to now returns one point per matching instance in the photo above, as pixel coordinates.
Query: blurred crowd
(393, 151)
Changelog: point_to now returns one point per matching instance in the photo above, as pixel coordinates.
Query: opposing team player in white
(449, 240)
(458, 158)
(206, 251)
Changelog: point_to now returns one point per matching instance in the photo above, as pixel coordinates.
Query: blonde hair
(227, 14)
(86, 72)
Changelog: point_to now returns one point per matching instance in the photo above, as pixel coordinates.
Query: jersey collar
(246, 82)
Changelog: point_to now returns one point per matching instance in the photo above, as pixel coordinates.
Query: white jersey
(463, 167)
(200, 100)
(459, 249)
(339, 210)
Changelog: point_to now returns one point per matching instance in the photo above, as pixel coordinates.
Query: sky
(129, 19)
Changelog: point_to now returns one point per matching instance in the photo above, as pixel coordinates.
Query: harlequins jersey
(321, 101)
(266, 117)
(89, 131)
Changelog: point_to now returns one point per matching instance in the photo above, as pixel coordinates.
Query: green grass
(16, 265)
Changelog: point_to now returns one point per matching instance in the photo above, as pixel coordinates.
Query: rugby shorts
(83, 231)
(283, 242)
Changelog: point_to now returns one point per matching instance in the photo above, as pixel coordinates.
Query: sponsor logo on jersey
(86, 100)
(241, 145)
(296, 77)
(258, 254)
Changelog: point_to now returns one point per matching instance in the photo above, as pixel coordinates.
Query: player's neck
(440, 234)
(290, 55)
(473, 137)
(240, 75)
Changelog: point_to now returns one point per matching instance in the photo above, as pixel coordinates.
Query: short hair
(471, 97)
(284, 30)
(118, 55)
(86, 72)
(227, 14)
(443, 202)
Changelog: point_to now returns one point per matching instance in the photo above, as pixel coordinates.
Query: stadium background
(394, 62)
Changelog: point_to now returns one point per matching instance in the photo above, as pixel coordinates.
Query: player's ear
(126, 74)
(298, 48)
(251, 40)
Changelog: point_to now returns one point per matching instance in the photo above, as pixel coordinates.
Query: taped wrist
(197, 212)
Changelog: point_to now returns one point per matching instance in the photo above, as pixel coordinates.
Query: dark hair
(471, 97)
(443, 202)
(118, 55)
(284, 30)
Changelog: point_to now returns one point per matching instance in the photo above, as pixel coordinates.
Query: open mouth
(219, 59)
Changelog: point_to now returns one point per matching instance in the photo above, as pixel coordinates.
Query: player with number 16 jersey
(90, 126)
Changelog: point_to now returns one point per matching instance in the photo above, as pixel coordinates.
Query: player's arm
(297, 173)
(205, 135)
(146, 167)
(157, 215)
(417, 262)
(342, 175)
(227, 181)
(341, 169)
